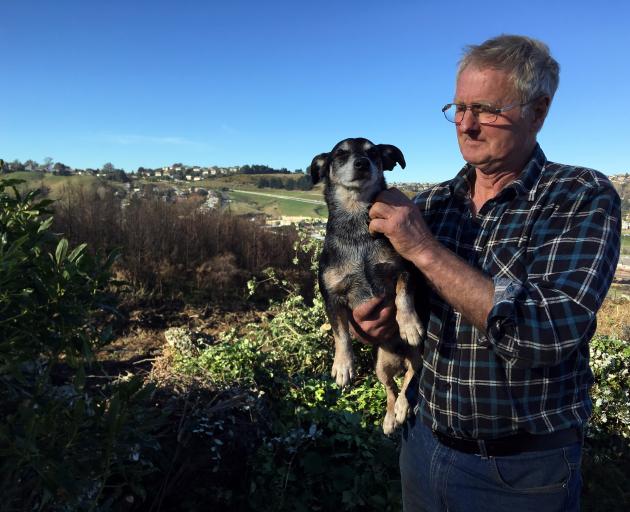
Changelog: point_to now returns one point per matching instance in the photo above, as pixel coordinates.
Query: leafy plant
(64, 445)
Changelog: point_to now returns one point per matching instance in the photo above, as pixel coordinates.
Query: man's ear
(319, 167)
(539, 109)
(390, 156)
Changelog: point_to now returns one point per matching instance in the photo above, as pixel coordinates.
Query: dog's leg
(388, 365)
(410, 327)
(343, 364)
(401, 408)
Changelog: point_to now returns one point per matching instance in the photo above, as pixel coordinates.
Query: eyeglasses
(485, 114)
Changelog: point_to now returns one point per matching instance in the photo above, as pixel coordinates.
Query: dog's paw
(411, 329)
(389, 424)
(342, 372)
(401, 409)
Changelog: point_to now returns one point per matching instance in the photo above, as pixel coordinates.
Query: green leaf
(62, 250)
(44, 226)
(76, 252)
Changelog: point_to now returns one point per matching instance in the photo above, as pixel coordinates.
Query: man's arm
(467, 289)
(541, 318)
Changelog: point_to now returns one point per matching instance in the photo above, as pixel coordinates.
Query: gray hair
(533, 70)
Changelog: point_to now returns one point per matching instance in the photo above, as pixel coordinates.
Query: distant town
(194, 173)
(176, 171)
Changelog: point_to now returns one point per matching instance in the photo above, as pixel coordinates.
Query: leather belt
(511, 445)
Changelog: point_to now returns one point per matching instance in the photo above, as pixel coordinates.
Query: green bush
(610, 362)
(323, 448)
(64, 445)
(606, 463)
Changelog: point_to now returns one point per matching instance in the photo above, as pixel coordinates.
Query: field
(276, 203)
(54, 184)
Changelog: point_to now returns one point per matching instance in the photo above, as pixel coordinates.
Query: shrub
(322, 448)
(64, 445)
(606, 463)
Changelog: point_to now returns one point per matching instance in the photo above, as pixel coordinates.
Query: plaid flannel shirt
(550, 243)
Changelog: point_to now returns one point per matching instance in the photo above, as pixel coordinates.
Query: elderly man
(519, 253)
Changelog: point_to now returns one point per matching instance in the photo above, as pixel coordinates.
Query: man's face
(504, 145)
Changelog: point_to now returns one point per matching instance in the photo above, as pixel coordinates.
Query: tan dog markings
(343, 364)
(334, 277)
(409, 325)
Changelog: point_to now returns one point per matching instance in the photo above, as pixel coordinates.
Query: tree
(108, 168)
(48, 162)
(61, 169)
(16, 166)
(118, 175)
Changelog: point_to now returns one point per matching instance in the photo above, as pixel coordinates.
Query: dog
(355, 266)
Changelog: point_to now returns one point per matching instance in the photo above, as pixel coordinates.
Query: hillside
(240, 192)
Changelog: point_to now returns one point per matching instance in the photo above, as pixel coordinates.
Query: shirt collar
(525, 184)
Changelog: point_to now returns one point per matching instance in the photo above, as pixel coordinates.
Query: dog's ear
(390, 156)
(319, 167)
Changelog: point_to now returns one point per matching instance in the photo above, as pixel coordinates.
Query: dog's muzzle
(362, 167)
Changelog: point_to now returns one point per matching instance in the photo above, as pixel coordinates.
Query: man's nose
(468, 122)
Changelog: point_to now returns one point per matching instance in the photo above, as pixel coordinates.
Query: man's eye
(460, 108)
(483, 109)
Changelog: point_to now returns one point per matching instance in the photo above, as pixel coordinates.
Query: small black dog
(356, 266)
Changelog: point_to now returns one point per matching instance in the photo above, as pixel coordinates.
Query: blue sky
(150, 83)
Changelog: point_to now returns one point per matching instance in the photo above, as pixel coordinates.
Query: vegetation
(302, 183)
(250, 420)
(64, 444)
(274, 206)
(174, 250)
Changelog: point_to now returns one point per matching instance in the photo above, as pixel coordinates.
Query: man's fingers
(377, 210)
(392, 196)
(374, 321)
(377, 226)
(369, 310)
(377, 333)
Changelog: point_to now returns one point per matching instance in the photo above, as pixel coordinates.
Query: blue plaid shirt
(550, 243)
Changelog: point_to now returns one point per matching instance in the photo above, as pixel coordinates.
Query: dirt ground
(140, 341)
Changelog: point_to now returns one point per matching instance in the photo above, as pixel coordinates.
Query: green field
(273, 206)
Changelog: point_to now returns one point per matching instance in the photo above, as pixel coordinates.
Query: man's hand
(400, 220)
(374, 321)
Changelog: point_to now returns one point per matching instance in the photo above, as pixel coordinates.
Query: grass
(612, 318)
(55, 184)
(247, 203)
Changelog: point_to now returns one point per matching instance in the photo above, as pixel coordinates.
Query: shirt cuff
(503, 311)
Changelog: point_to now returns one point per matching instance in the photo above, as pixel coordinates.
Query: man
(519, 253)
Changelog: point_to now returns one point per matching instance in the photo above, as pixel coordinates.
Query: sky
(151, 83)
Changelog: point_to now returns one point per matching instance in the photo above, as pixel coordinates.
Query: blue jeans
(437, 478)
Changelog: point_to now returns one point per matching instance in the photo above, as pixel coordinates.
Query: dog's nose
(361, 164)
